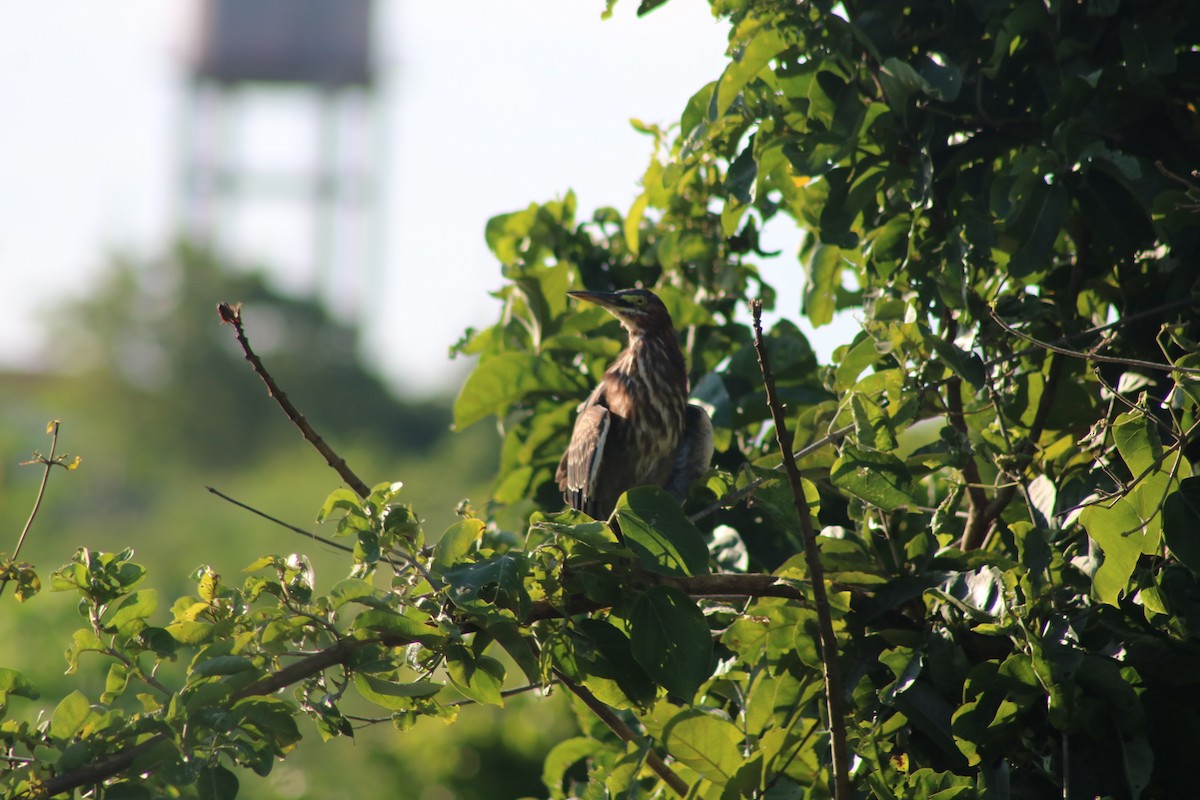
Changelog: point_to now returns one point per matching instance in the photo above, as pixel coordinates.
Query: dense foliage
(1000, 459)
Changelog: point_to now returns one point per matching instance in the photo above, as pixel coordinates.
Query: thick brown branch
(232, 315)
(834, 701)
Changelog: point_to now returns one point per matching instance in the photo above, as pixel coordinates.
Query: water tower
(317, 55)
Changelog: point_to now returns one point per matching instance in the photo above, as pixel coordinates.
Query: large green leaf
(750, 58)
(705, 742)
(215, 782)
(657, 530)
(879, 478)
(669, 637)
(497, 581)
(455, 543)
(402, 626)
(393, 695)
(1120, 531)
(478, 677)
(502, 380)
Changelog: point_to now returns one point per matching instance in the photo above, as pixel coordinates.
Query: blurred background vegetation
(155, 396)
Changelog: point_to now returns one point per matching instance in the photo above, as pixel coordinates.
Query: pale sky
(486, 106)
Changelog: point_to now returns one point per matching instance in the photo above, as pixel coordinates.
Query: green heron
(636, 428)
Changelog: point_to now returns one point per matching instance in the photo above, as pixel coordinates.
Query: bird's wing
(694, 453)
(581, 463)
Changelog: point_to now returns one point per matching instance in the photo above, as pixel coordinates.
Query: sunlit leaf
(657, 530)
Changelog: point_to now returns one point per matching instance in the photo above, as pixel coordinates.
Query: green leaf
(501, 381)
(133, 611)
(455, 543)
(406, 628)
(190, 632)
(393, 695)
(338, 499)
(876, 477)
(1047, 215)
(660, 534)
(824, 272)
(353, 590)
(669, 637)
(612, 661)
(13, 682)
(69, 715)
(562, 757)
(480, 678)
(633, 221)
(1119, 531)
(854, 361)
(1137, 441)
(748, 61)
(705, 742)
(271, 717)
(962, 363)
(216, 783)
(496, 581)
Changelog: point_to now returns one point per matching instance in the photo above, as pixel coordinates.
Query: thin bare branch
(624, 733)
(1063, 351)
(835, 703)
(48, 463)
(232, 315)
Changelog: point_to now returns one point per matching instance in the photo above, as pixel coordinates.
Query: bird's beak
(608, 300)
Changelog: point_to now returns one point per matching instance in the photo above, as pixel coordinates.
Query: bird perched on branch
(636, 428)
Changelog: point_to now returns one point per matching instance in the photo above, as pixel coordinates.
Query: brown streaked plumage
(636, 428)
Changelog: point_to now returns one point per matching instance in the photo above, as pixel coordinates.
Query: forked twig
(835, 705)
(1053, 348)
(48, 463)
(232, 315)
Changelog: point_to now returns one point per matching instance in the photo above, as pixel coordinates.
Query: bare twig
(835, 704)
(281, 523)
(232, 315)
(1155, 312)
(624, 733)
(48, 463)
(1063, 351)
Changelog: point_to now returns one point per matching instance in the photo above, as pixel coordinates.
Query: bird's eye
(638, 300)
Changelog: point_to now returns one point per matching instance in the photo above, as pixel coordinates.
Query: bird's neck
(652, 350)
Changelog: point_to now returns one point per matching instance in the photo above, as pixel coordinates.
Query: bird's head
(639, 310)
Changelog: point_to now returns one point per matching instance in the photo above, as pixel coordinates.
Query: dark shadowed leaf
(669, 637)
